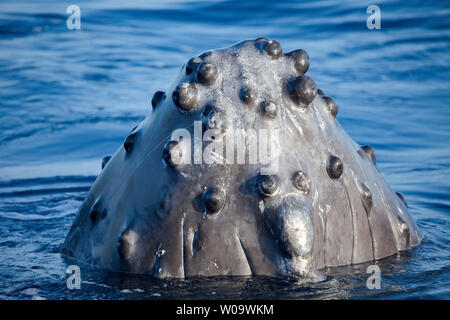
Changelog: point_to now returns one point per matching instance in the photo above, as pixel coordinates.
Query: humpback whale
(240, 168)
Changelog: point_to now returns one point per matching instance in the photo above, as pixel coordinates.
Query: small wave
(95, 284)
(47, 180)
(66, 208)
(44, 191)
(30, 291)
(28, 217)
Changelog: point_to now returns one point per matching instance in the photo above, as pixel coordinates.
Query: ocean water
(69, 97)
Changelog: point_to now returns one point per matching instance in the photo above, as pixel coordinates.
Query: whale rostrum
(240, 168)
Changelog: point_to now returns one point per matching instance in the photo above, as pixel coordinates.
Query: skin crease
(327, 204)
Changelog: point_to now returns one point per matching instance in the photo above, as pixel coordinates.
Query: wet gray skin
(327, 204)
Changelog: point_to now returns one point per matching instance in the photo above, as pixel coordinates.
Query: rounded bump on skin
(302, 90)
(261, 39)
(157, 98)
(192, 65)
(268, 185)
(404, 228)
(172, 154)
(97, 212)
(335, 167)
(332, 106)
(248, 96)
(405, 235)
(214, 199)
(214, 120)
(291, 225)
(130, 141)
(207, 73)
(298, 233)
(301, 181)
(366, 197)
(185, 96)
(126, 245)
(269, 108)
(105, 161)
(206, 54)
(301, 61)
(371, 153)
(402, 198)
(273, 49)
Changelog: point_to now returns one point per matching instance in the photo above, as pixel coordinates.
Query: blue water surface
(69, 97)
